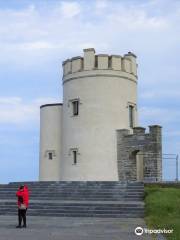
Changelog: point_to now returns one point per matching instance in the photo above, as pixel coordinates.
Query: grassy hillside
(162, 209)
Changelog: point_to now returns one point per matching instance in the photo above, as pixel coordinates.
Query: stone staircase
(77, 199)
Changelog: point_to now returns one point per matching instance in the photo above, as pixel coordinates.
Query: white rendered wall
(50, 141)
(104, 97)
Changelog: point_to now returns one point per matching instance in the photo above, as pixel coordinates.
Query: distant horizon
(36, 37)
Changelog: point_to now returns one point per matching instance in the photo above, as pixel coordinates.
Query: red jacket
(24, 194)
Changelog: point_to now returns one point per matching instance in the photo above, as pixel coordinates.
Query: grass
(162, 209)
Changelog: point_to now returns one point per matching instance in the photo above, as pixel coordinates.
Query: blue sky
(36, 36)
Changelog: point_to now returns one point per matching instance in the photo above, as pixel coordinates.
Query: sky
(37, 35)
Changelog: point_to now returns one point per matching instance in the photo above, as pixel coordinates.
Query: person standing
(23, 202)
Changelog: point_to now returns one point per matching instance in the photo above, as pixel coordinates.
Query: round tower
(50, 142)
(99, 97)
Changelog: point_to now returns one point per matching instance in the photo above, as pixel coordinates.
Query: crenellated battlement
(91, 62)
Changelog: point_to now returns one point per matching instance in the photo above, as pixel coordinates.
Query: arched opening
(137, 155)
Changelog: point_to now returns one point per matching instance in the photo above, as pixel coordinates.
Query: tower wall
(104, 86)
(50, 142)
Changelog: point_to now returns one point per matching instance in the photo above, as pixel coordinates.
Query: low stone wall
(147, 145)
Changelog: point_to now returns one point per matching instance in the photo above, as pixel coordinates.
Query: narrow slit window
(75, 107)
(50, 155)
(96, 62)
(109, 62)
(74, 157)
(131, 116)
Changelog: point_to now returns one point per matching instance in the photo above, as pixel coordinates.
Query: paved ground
(53, 228)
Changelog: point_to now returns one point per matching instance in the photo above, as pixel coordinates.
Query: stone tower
(78, 139)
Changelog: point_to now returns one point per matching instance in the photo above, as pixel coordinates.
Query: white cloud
(45, 100)
(32, 35)
(173, 133)
(160, 93)
(59, 27)
(10, 100)
(137, 19)
(101, 7)
(101, 4)
(14, 110)
(37, 45)
(70, 9)
(157, 115)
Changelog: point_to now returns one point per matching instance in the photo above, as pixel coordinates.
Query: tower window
(75, 107)
(50, 156)
(109, 62)
(74, 156)
(131, 116)
(73, 153)
(96, 62)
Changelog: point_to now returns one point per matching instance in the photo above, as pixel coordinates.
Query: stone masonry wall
(147, 144)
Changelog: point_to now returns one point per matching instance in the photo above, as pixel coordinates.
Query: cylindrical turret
(50, 142)
(99, 97)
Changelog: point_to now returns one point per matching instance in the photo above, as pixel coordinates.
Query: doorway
(139, 166)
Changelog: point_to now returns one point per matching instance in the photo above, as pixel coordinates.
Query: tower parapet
(90, 62)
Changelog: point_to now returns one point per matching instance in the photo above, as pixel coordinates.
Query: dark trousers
(22, 216)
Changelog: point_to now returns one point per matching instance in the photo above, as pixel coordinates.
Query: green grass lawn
(162, 209)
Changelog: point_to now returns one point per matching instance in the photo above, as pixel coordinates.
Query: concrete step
(77, 203)
(75, 185)
(96, 198)
(88, 199)
(77, 189)
(140, 215)
(77, 199)
(82, 206)
(75, 209)
(79, 184)
(42, 193)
